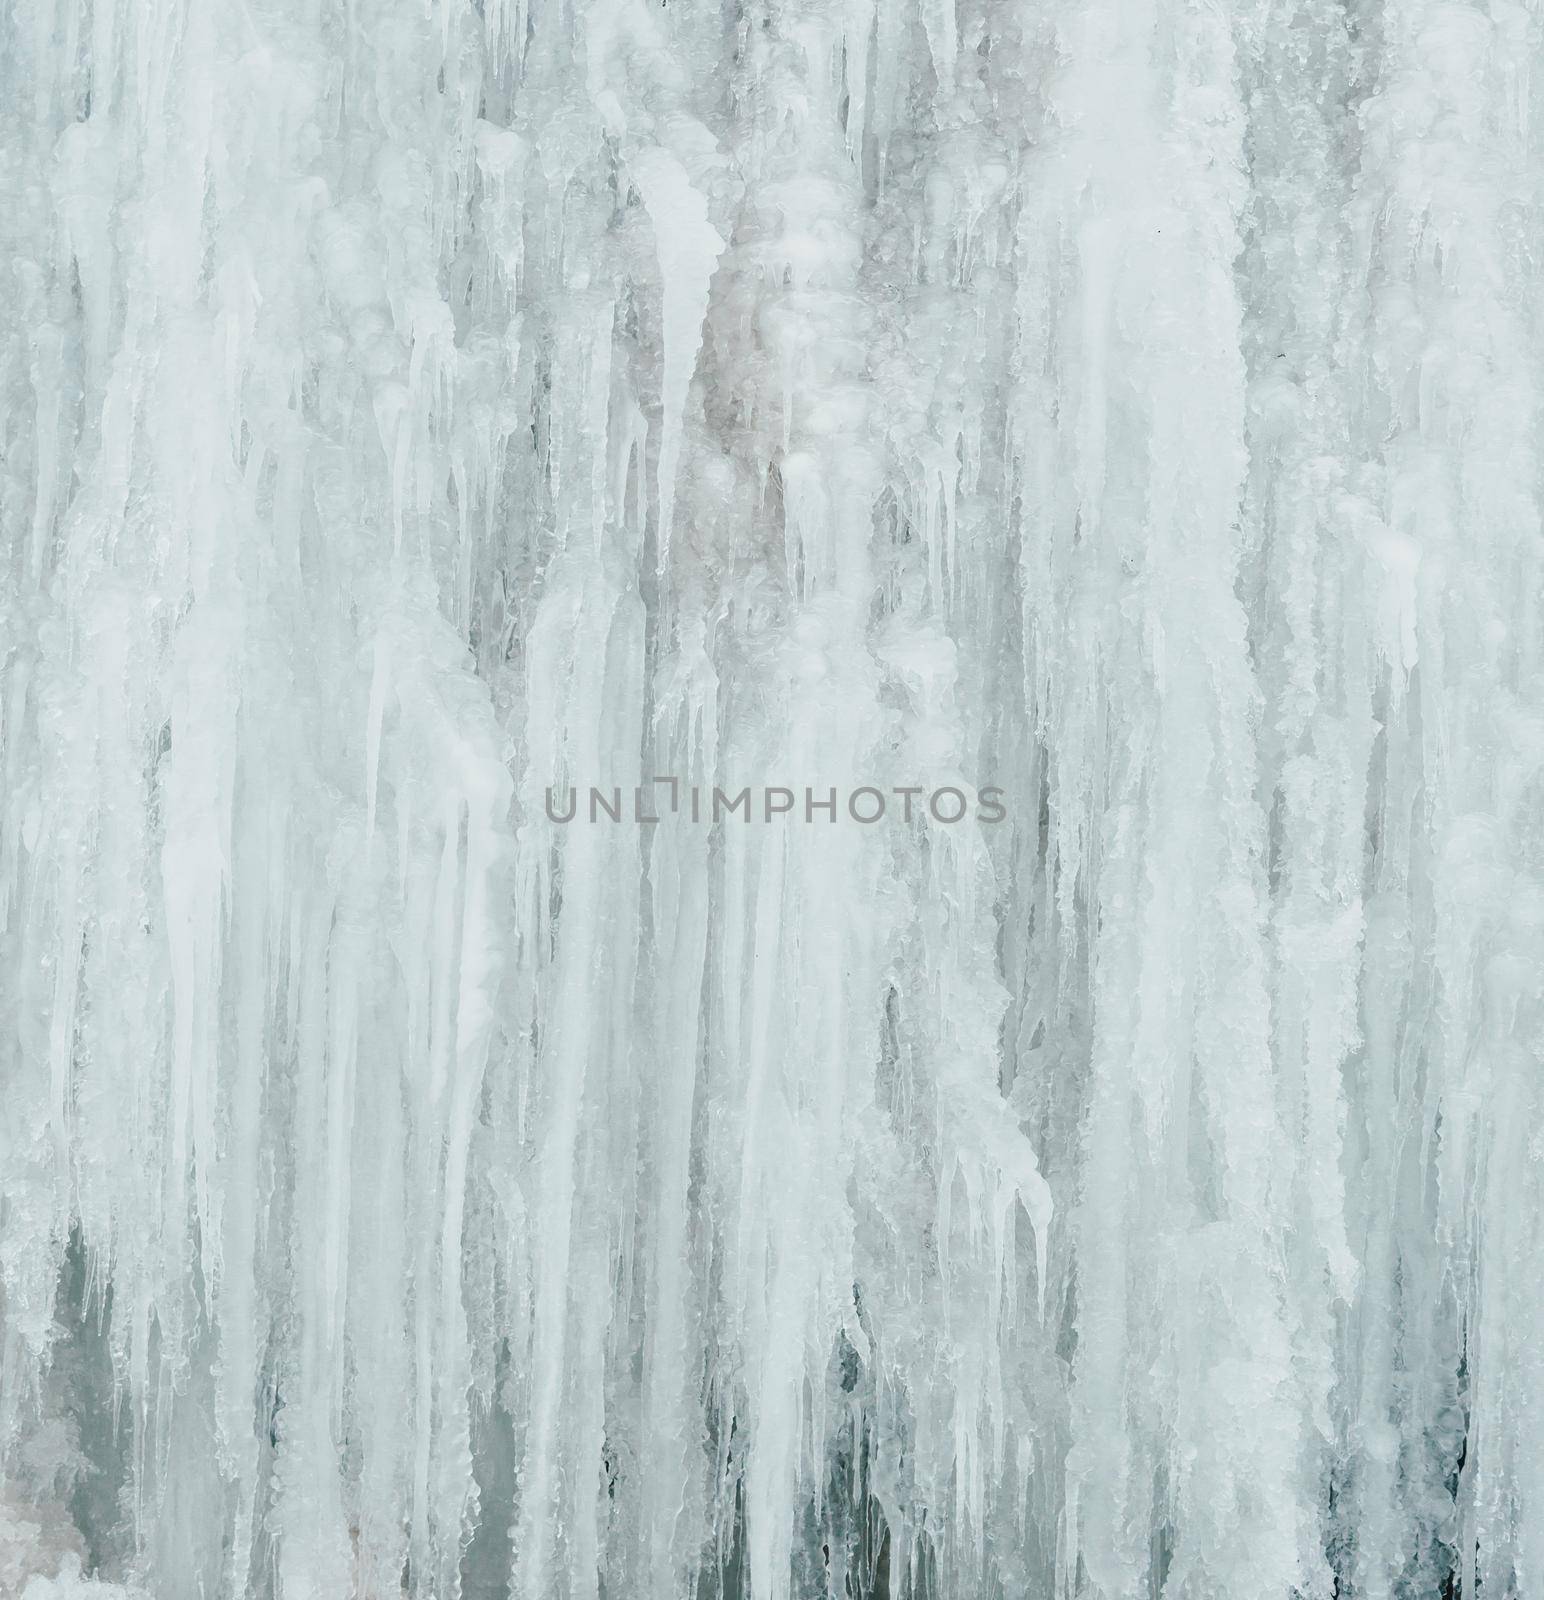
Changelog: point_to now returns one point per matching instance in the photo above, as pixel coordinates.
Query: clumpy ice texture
(410, 406)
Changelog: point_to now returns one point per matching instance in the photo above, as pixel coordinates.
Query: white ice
(411, 406)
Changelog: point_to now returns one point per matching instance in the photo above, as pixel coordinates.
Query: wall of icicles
(409, 404)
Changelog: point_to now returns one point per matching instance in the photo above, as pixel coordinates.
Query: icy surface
(409, 407)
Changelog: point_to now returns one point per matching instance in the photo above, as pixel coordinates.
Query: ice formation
(409, 407)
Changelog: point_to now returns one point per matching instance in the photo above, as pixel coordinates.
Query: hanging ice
(423, 424)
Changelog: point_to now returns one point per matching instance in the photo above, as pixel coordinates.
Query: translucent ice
(413, 415)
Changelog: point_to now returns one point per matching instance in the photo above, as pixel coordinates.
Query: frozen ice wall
(409, 407)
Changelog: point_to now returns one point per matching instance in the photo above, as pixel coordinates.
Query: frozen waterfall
(773, 800)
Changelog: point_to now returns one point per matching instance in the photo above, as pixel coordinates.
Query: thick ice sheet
(409, 409)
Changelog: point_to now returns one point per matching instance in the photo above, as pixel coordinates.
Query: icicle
(689, 247)
(1117, 418)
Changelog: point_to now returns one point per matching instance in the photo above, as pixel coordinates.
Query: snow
(407, 412)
